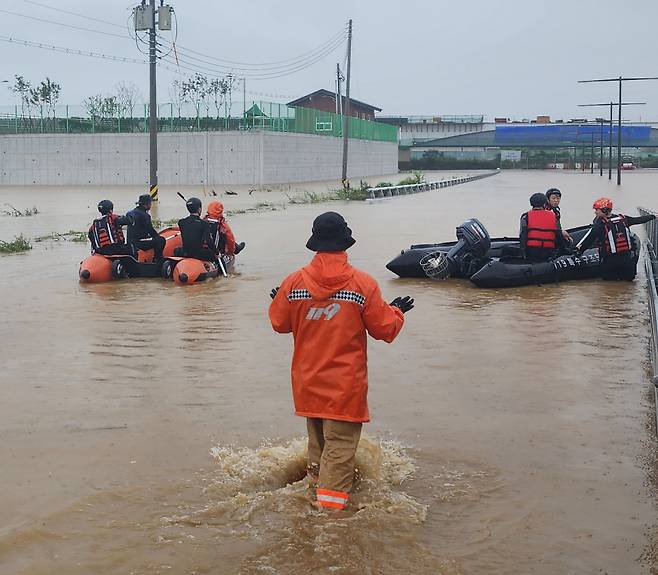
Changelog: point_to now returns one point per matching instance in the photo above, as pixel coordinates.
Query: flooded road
(147, 428)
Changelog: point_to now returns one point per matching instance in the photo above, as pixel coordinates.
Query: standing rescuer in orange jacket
(330, 307)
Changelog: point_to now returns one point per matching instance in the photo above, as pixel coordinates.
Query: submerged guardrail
(405, 189)
(651, 267)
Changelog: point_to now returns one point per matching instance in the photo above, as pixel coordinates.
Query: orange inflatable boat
(185, 271)
(98, 268)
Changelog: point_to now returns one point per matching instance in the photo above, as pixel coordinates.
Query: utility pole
(610, 144)
(619, 137)
(591, 156)
(144, 16)
(346, 114)
(244, 102)
(620, 79)
(339, 91)
(601, 120)
(153, 110)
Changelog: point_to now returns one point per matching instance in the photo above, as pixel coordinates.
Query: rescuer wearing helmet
(141, 234)
(330, 307)
(539, 234)
(195, 234)
(105, 233)
(610, 232)
(553, 197)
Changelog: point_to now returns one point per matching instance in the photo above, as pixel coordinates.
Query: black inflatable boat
(495, 262)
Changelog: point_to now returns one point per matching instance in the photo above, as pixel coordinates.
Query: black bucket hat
(330, 234)
(144, 200)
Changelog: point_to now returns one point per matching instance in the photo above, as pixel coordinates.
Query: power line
(73, 13)
(224, 63)
(123, 37)
(72, 51)
(219, 74)
(184, 63)
(255, 71)
(211, 66)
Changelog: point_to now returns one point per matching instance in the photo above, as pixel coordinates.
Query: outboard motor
(465, 256)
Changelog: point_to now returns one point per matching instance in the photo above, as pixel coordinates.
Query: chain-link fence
(187, 117)
(651, 266)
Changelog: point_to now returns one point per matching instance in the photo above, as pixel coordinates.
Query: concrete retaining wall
(207, 158)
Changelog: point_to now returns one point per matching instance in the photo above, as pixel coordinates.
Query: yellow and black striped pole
(153, 109)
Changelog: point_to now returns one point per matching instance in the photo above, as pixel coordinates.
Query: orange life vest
(617, 236)
(542, 229)
(105, 231)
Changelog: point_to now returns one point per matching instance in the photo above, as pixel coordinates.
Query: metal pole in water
(619, 138)
(610, 145)
(153, 110)
(346, 112)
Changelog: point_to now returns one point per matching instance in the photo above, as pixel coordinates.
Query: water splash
(262, 495)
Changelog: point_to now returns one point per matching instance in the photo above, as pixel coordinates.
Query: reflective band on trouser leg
(334, 499)
(154, 192)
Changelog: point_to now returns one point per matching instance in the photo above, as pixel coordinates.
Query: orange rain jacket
(216, 214)
(328, 306)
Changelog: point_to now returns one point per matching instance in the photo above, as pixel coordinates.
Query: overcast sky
(513, 58)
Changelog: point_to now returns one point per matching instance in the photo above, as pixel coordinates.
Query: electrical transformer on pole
(145, 20)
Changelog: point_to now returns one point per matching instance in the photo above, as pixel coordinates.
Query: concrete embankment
(187, 159)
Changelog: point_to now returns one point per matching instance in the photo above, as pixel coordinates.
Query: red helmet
(603, 204)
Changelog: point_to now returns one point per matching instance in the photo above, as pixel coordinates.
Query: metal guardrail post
(404, 189)
(651, 267)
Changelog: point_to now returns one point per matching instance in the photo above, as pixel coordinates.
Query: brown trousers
(332, 448)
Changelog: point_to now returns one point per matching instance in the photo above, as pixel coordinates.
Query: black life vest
(617, 236)
(558, 215)
(105, 231)
(216, 236)
(542, 229)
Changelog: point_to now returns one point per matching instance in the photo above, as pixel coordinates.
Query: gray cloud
(514, 58)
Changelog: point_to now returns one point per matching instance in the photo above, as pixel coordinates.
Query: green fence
(254, 115)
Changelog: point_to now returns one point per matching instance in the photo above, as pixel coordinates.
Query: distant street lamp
(611, 104)
(619, 103)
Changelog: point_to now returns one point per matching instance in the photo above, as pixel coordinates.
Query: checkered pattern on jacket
(342, 295)
(346, 295)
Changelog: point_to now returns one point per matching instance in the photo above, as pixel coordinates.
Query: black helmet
(144, 200)
(553, 192)
(105, 206)
(193, 205)
(538, 200)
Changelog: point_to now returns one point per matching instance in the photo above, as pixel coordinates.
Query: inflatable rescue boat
(98, 268)
(496, 262)
(185, 271)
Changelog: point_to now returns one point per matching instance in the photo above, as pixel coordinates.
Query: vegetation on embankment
(19, 244)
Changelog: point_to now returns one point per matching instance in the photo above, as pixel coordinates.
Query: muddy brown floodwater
(147, 428)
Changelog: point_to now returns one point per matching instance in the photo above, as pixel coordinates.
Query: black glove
(403, 303)
(274, 292)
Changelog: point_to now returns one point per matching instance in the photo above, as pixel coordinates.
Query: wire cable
(61, 24)
(73, 13)
(73, 51)
(233, 65)
(184, 63)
